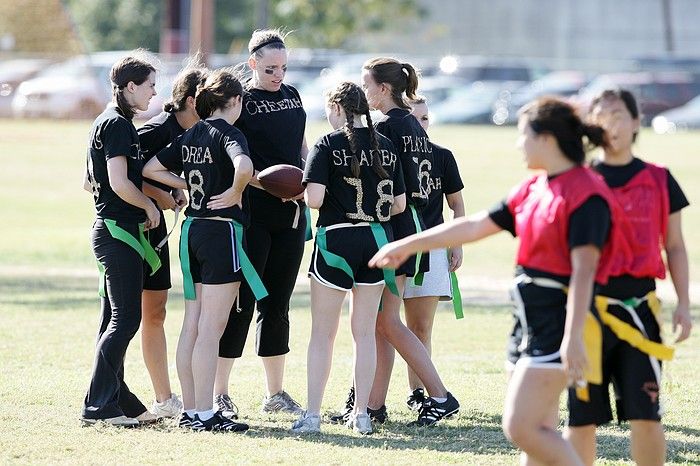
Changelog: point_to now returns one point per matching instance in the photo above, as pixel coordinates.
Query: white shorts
(436, 282)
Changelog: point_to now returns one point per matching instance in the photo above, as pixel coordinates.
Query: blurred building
(590, 34)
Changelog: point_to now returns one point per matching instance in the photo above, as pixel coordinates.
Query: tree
(126, 24)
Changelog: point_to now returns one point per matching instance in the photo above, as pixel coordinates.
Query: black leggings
(275, 249)
(108, 395)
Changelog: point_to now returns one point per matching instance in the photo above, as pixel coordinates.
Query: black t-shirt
(414, 150)
(616, 176)
(619, 175)
(349, 199)
(273, 124)
(202, 154)
(113, 135)
(155, 134)
(444, 179)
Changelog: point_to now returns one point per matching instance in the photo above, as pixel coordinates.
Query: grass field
(48, 316)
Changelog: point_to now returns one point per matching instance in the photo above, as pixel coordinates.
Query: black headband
(274, 40)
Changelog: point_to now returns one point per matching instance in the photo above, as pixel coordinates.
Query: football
(283, 181)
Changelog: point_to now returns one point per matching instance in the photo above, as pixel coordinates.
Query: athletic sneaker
(360, 423)
(416, 399)
(281, 403)
(168, 408)
(378, 415)
(217, 423)
(345, 412)
(185, 421)
(226, 406)
(147, 417)
(307, 423)
(119, 421)
(431, 412)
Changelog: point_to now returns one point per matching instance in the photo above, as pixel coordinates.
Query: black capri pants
(108, 395)
(275, 245)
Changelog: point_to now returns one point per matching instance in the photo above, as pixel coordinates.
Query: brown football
(283, 181)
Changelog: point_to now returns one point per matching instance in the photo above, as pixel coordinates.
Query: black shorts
(161, 279)
(402, 225)
(213, 252)
(355, 243)
(635, 376)
(540, 316)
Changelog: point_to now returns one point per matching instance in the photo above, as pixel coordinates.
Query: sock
(205, 415)
(190, 412)
(439, 400)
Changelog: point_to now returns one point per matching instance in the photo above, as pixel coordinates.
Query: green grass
(48, 317)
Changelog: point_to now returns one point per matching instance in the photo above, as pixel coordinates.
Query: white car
(76, 88)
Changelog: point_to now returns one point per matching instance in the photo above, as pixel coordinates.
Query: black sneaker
(378, 415)
(431, 412)
(344, 415)
(218, 423)
(416, 399)
(185, 421)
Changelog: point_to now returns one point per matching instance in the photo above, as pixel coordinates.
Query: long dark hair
(215, 92)
(185, 84)
(402, 77)
(131, 68)
(550, 115)
(352, 100)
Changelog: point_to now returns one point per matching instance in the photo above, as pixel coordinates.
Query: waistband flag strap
(636, 337)
(456, 293)
(338, 262)
(417, 276)
(140, 245)
(249, 273)
(309, 230)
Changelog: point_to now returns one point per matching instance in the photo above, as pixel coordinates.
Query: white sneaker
(146, 418)
(119, 421)
(172, 407)
(360, 423)
(307, 423)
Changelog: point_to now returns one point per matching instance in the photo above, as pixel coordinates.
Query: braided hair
(350, 97)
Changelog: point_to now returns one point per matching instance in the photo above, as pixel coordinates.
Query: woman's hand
(228, 198)
(153, 215)
(573, 357)
(180, 198)
(682, 323)
(165, 200)
(455, 255)
(299, 197)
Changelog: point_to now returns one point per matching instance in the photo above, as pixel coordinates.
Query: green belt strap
(141, 246)
(456, 293)
(309, 231)
(417, 276)
(333, 260)
(249, 272)
(381, 239)
(187, 283)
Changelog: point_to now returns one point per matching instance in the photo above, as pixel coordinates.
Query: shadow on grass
(617, 447)
(53, 293)
(481, 435)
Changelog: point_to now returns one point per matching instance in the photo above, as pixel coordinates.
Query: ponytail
(376, 162)
(402, 78)
(216, 91)
(411, 80)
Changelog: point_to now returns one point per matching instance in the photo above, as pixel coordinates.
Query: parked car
(76, 88)
(472, 104)
(558, 83)
(655, 92)
(684, 117)
(12, 73)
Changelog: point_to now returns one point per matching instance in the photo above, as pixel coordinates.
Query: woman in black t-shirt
(386, 81)
(178, 115)
(213, 158)
(273, 122)
(113, 176)
(352, 177)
